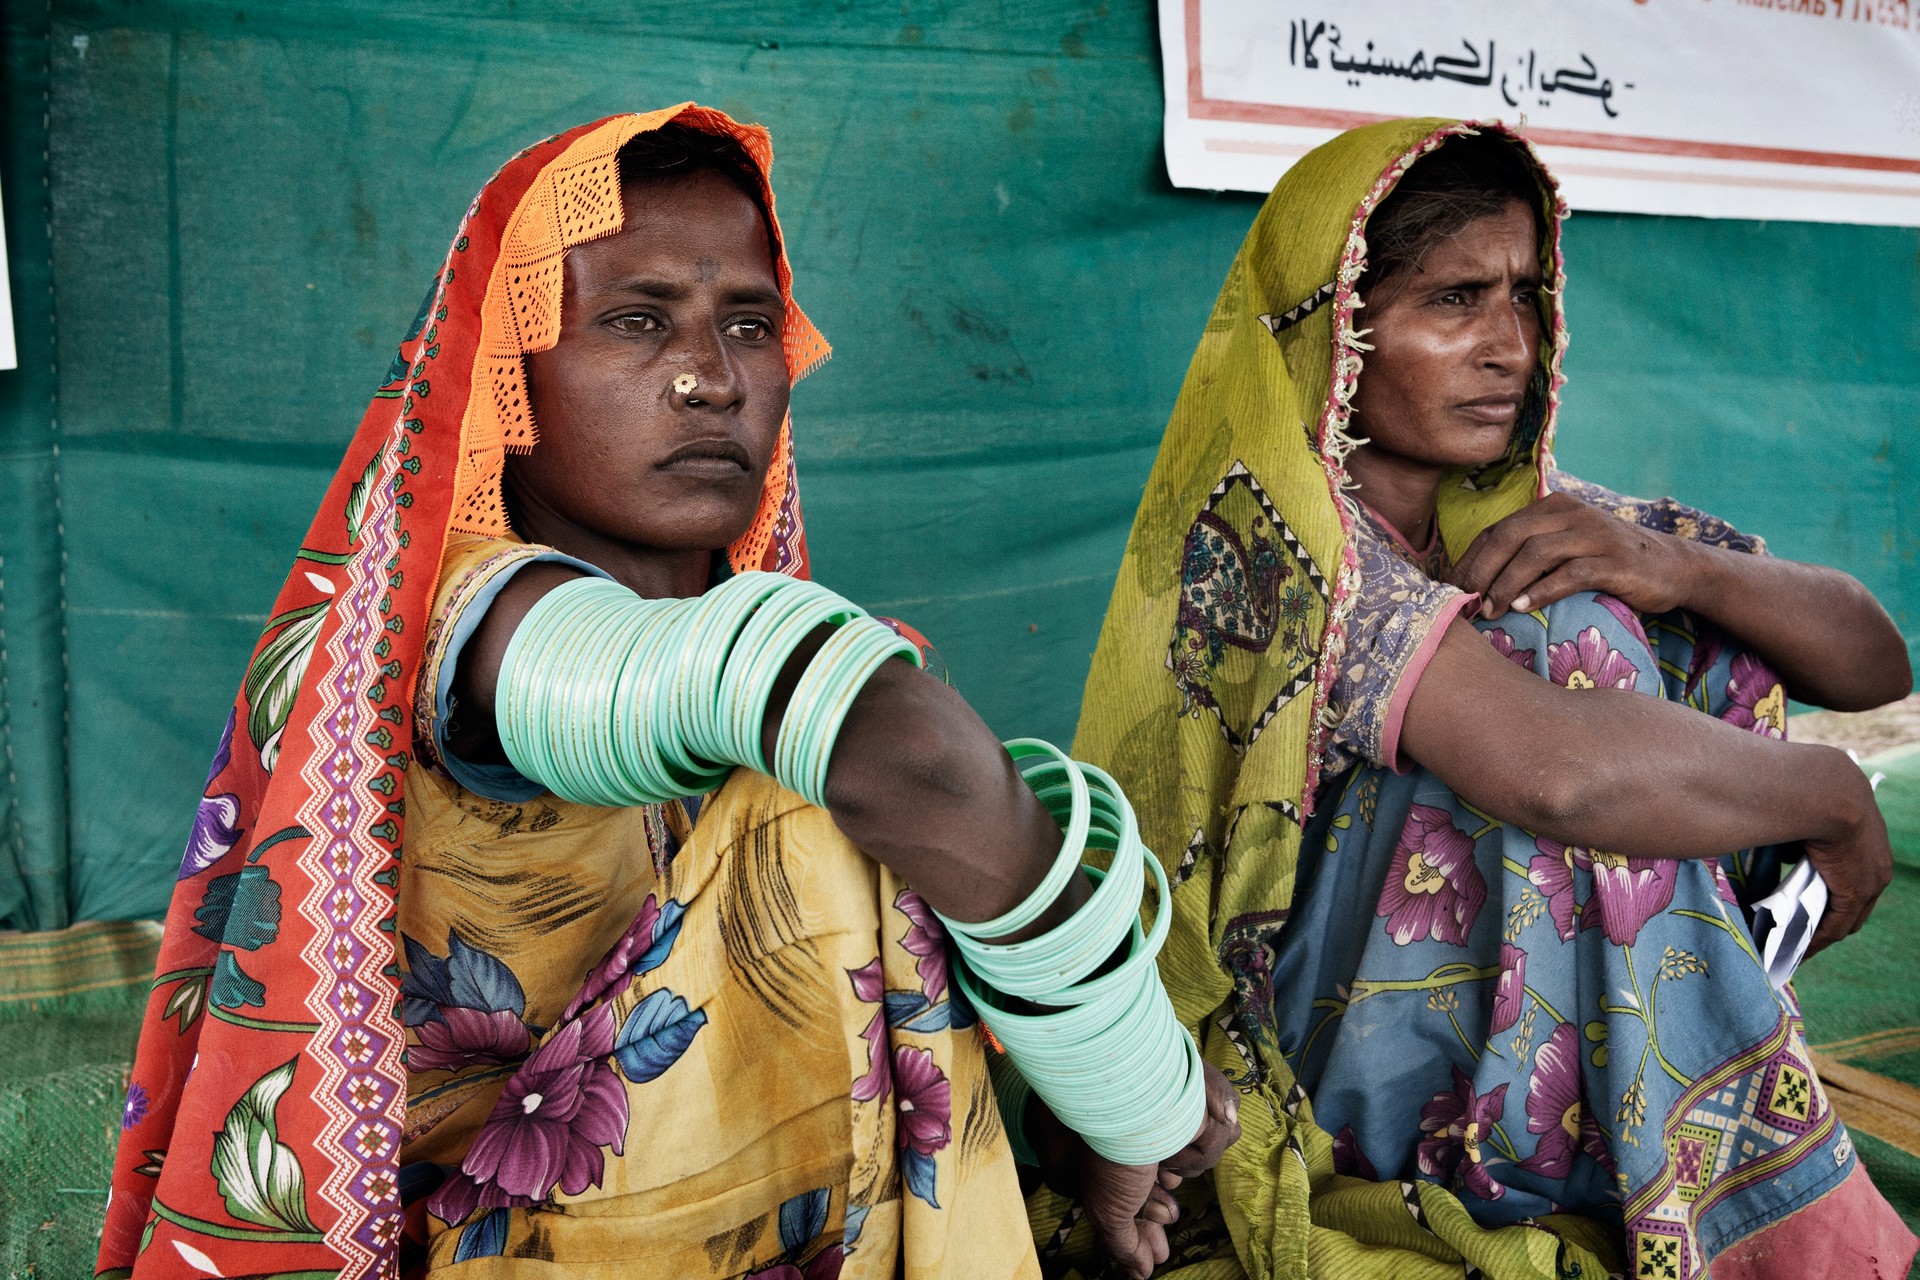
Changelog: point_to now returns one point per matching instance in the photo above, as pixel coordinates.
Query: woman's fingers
(1572, 576)
(1857, 872)
(1218, 1131)
(1161, 1207)
(1539, 558)
(1497, 545)
(1120, 1202)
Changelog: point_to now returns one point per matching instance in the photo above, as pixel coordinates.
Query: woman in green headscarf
(1461, 933)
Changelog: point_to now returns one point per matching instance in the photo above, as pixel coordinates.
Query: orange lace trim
(576, 198)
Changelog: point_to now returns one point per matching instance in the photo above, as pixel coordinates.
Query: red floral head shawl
(264, 1119)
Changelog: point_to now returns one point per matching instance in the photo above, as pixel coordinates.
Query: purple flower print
(1557, 1112)
(137, 1103)
(461, 1038)
(1705, 653)
(643, 947)
(1503, 645)
(1756, 699)
(216, 823)
(927, 939)
(558, 1110)
(1457, 1124)
(1433, 888)
(825, 1266)
(1628, 618)
(1349, 1159)
(1552, 874)
(925, 1103)
(1585, 662)
(1628, 892)
(869, 987)
(923, 1112)
(215, 831)
(1511, 991)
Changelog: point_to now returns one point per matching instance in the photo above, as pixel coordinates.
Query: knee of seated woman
(1590, 640)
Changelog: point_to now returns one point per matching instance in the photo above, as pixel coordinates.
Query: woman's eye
(641, 323)
(749, 329)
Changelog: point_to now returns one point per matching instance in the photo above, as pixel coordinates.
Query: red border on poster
(1202, 107)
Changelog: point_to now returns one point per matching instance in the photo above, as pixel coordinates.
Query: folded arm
(1638, 776)
(1820, 629)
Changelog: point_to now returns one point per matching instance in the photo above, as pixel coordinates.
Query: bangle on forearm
(606, 698)
(1108, 1039)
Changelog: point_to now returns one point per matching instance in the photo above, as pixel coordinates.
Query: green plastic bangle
(1011, 1093)
(823, 696)
(1046, 757)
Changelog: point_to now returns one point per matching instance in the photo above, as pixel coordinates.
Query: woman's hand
(1857, 865)
(1131, 1206)
(1819, 629)
(1559, 545)
(1220, 1130)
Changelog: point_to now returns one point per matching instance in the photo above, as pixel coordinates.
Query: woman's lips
(712, 459)
(1495, 411)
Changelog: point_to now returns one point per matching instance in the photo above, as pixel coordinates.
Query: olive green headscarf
(1208, 694)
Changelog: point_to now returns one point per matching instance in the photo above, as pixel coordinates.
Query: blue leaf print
(665, 930)
(918, 1172)
(482, 982)
(802, 1219)
(655, 1034)
(961, 1014)
(426, 987)
(856, 1223)
(486, 1238)
(938, 1018)
(902, 1005)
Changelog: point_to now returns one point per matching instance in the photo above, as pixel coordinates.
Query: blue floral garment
(1541, 1027)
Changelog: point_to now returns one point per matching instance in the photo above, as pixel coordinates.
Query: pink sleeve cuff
(1411, 673)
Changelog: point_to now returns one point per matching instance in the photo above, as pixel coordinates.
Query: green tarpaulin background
(220, 218)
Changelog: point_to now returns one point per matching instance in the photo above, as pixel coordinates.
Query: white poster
(1803, 109)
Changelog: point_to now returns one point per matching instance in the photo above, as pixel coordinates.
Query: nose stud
(686, 384)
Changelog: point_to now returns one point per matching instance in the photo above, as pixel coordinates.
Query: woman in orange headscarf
(416, 1010)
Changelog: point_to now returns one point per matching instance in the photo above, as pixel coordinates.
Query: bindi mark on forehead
(709, 269)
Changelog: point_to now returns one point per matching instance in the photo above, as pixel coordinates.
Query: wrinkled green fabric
(1211, 711)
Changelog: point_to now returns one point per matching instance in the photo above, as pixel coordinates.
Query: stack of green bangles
(610, 699)
(1111, 1060)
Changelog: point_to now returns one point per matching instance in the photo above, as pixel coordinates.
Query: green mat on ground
(70, 1006)
(1861, 1000)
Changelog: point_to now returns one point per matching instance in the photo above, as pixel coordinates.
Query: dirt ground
(1867, 732)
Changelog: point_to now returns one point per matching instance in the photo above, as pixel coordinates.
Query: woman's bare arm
(916, 781)
(920, 784)
(1821, 630)
(1608, 769)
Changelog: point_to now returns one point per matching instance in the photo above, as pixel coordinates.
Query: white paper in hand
(1784, 921)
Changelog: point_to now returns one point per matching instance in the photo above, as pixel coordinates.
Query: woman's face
(1455, 341)
(660, 405)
